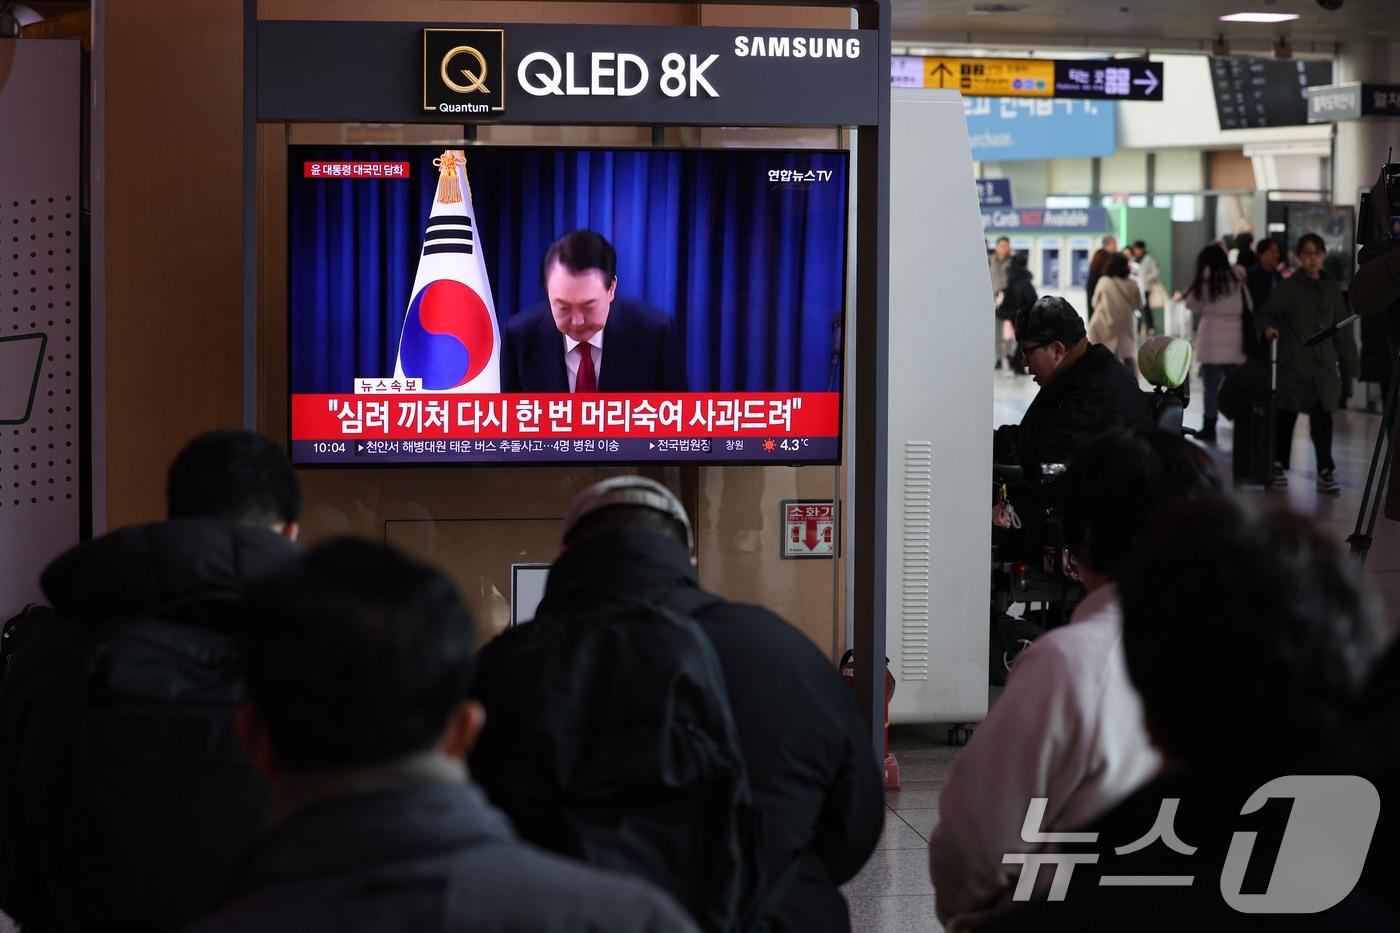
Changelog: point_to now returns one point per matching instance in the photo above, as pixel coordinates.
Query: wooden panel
(174, 90)
(272, 280)
(74, 25)
(1231, 170)
(739, 554)
(477, 555)
(621, 136)
(677, 14)
(353, 134)
(785, 17)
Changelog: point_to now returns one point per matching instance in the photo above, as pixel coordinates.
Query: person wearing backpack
(125, 803)
(359, 662)
(641, 723)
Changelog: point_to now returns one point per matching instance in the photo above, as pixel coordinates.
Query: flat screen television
(705, 287)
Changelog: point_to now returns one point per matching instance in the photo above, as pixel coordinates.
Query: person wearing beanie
(628, 544)
(1084, 391)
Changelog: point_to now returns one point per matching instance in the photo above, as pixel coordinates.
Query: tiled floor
(892, 894)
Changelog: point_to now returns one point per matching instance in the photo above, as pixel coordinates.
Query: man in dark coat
(124, 801)
(1313, 381)
(1018, 293)
(1084, 390)
(359, 663)
(584, 338)
(810, 765)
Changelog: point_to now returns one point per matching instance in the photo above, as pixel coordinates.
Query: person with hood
(1116, 301)
(628, 543)
(125, 803)
(1018, 294)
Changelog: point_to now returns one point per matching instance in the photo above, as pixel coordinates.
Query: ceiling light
(1258, 17)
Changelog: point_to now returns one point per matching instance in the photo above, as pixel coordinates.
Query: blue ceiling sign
(1008, 129)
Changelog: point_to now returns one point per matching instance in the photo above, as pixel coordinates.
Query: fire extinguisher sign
(809, 528)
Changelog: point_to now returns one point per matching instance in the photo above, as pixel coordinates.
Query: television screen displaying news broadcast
(533, 305)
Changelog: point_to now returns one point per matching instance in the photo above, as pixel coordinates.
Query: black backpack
(165, 803)
(18, 629)
(609, 738)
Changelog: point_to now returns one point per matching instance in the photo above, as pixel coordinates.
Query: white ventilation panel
(940, 420)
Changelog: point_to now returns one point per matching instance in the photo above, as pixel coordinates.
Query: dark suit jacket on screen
(641, 352)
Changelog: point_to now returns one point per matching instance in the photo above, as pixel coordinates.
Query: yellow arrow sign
(992, 77)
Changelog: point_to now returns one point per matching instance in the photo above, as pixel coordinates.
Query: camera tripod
(1374, 492)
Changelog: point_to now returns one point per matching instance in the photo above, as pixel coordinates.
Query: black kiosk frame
(371, 72)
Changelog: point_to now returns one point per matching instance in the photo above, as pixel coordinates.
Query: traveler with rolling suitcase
(1248, 398)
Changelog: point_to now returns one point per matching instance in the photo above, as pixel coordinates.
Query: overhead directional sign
(1032, 77)
(1352, 101)
(1109, 80)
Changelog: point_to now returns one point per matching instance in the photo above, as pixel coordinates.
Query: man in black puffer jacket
(125, 801)
(1084, 391)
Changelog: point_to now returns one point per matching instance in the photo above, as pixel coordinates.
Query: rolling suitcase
(1252, 447)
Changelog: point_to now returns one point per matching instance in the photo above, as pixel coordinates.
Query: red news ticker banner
(354, 169)
(608, 415)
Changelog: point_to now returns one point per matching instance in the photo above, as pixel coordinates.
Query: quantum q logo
(463, 70)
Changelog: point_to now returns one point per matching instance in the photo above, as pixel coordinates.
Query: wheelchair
(1033, 569)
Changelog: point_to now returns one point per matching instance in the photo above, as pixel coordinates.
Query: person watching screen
(584, 338)
(157, 804)
(359, 664)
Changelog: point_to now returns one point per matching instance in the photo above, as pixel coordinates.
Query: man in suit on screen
(586, 339)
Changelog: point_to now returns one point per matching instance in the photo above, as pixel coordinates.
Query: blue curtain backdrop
(754, 270)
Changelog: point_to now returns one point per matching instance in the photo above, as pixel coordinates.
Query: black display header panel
(567, 74)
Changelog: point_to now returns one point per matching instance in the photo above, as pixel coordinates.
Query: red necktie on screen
(587, 379)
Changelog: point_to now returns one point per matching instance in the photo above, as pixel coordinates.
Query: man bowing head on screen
(586, 339)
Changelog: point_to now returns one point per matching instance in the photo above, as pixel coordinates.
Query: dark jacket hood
(624, 561)
(187, 570)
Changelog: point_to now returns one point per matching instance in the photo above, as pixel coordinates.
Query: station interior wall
(171, 300)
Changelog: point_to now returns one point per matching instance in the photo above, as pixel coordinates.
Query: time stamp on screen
(691, 445)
